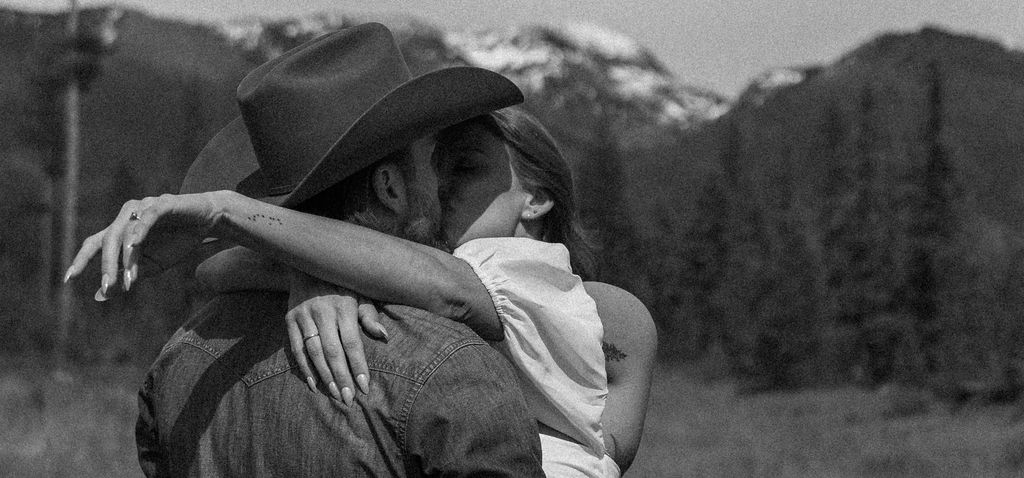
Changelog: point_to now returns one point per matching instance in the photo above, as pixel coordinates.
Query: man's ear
(389, 186)
(536, 205)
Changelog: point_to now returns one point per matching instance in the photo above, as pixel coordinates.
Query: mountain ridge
(870, 200)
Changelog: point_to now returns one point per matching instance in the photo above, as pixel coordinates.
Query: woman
(507, 193)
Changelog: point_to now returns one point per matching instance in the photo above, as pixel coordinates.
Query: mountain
(858, 220)
(164, 88)
(865, 216)
(618, 114)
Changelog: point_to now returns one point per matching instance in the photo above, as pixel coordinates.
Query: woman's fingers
(327, 321)
(369, 321)
(130, 248)
(135, 231)
(120, 244)
(90, 246)
(311, 342)
(129, 257)
(112, 247)
(298, 349)
(351, 340)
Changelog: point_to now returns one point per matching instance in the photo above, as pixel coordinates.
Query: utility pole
(69, 219)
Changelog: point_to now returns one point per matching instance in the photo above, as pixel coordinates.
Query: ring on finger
(134, 216)
(307, 337)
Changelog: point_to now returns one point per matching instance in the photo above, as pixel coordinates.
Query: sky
(716, 44)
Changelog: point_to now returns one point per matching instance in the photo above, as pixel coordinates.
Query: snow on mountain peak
(780, 77)
(244, 34)
(251, 33)
(536, 58)
(515, 54)
(771, 81)
(605, 42)
(313, 25)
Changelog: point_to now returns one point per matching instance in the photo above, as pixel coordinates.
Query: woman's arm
(630, 342)
(165, 229)
(369, 262)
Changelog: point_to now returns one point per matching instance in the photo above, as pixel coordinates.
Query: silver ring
(134, 216)
(305, 338)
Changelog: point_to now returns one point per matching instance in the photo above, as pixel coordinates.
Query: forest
(857, 223)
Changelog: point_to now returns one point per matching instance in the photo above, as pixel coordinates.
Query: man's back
(224, 398)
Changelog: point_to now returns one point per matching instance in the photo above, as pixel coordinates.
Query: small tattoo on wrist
(612, 353)
(268, 220)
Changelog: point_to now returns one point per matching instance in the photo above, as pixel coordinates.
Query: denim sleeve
(470, 419)
(147, 439)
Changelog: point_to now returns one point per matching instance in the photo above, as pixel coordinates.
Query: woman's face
(480, 197)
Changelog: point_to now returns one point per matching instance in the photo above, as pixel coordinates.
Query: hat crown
(296, 107)
(333, 106)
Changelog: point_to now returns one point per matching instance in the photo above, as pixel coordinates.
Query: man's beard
(422, 222)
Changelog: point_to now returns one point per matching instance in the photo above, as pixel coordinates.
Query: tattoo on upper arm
(612, 353)
(270, 220)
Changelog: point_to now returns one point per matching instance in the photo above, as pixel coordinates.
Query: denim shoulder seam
(389, 371)
(419, 382)
(188, 340)
(251, 381)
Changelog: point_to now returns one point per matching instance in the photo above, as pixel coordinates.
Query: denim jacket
(225, 398)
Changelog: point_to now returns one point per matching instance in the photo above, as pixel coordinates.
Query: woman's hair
(539, 163)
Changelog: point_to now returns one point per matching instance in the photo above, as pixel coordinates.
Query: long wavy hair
(538, 162)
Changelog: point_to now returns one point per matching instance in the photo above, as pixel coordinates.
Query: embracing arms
(371, 263)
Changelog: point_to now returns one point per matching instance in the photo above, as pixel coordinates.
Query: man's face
(422, 218)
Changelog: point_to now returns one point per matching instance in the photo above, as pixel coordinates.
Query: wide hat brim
(416, 108)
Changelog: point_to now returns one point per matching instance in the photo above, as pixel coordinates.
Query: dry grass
(80, 425)
(705, 430)
(75, 424)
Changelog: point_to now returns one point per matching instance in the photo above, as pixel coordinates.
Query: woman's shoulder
(618, 299)
(624, 316)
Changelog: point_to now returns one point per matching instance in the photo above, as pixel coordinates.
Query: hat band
(279, 190)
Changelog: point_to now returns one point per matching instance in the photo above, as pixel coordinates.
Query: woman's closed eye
(459, 166)
(463, 168)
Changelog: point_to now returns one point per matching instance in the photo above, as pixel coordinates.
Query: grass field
(80, 424)
(705, 430)
(74, 424)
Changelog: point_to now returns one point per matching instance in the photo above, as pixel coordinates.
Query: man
(336, 128)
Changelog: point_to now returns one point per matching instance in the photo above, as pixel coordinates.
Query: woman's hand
(323, 323)
(154, 233)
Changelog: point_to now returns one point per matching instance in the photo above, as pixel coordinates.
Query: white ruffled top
(552, 331)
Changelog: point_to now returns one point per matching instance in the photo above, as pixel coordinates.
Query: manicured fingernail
(347, 394)
(363, 382)
(127, 280)
(334, 391)
(105, 285)
(383, 332)
(311, 383)
(67, 275)
(99, 296)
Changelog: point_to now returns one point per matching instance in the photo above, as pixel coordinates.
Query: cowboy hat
(331, 107)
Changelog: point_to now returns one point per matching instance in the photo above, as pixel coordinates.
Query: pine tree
(703, 254)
